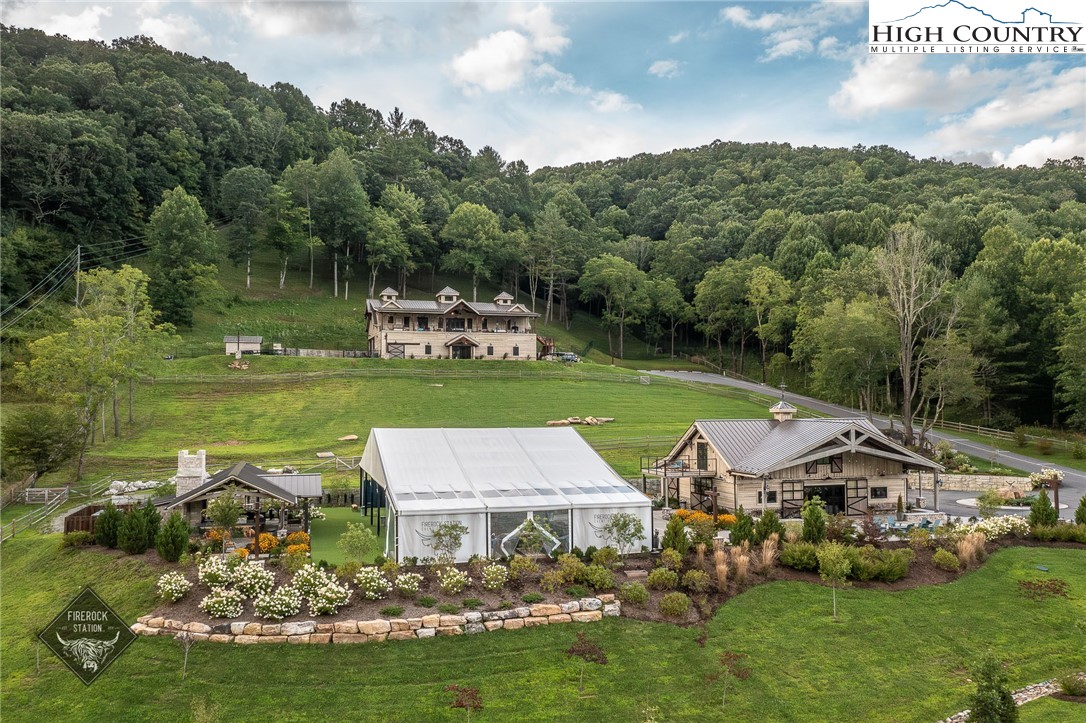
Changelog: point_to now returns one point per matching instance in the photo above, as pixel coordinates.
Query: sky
(562, 82)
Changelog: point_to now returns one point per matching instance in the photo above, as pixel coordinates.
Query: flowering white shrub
(222, 603)
(994, 527)
(316, 513)
(495, 576)
(452, 580)
(328, 598)
(172, 586)
(251, 579)
(214, 572)
(372, 584)
(308, 579)
(281, 603)
(408, 583)
(1047, 477)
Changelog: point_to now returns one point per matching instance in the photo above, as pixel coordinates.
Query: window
(454, 325)
(516, 351)
(407, 322)
(469, 324)
(424, 323)
(811, 468)
(484, 324)
(703, 456)
(427, 352)
(878, 493)
(390, 320)
(490, 351)
(770, 497)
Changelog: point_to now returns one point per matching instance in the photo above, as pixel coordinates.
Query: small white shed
(492, 481)
(241, 344)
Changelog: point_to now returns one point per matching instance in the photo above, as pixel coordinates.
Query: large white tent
(492, 480)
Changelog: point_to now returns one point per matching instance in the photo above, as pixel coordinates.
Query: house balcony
(667, 467)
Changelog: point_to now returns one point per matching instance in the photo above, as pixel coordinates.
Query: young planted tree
(992, 702)
(446, 540)
(466, 698)
(833, 567)
(152, 522)
(743, 529)
(357, 543)
(731, 666)
(132, 533)
(814, 520)
(675, 537)
(1080, 512)
(173, 538)
(224, 511)
(1041, 511)
(589, 652)
(107, 524)
(623, 531)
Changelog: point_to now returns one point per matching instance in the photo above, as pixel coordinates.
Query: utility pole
(78, 266)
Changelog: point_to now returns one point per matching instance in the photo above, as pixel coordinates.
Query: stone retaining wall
(975, 483)
(585, 610)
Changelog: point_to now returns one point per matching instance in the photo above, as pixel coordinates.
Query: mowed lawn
(326, 532)
(901, 656)
(274, 422)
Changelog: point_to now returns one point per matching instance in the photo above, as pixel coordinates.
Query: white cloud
(794, 33)
(175, 32)
(1039, 150)
(501, 60)
(665, 69)
(280, 19)
(678, 37)
(84, 25)
(608, 101)
(560, 82)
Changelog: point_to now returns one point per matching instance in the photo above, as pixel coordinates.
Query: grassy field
(279, 421)
(326, 532)
(892, 657)
(1050, 710)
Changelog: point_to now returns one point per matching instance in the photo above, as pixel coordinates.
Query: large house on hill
(762, 464)
(449, 327)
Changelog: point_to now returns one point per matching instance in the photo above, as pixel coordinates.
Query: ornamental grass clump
(329, 597)
(742, 566)
(372, 584)
(495, 576)
(408, 584)
(769, 548)
(971, 548)
(222, 603)
(213, 571)
(251, 580)
(720, 564)
(452, 581)
(172, 586)
(283, 602)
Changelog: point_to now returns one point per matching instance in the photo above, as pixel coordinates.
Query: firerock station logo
(1018, 27)
(87, 636)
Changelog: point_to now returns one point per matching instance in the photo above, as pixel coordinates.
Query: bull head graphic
(89, 653)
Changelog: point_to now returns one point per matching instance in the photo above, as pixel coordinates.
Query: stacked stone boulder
(585, 610)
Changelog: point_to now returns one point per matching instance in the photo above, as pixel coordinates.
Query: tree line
(916, 286)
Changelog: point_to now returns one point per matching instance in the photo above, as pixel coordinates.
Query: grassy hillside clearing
(900, 656)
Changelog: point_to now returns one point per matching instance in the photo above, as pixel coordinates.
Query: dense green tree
(133, 536)
(1072, 351)
(284, 229)
(245, 192)
(38, 439)
(620, 284)
(107, 525)
(182, 255)
(385, 245)
(474, 236)
(173, 538)
(769, 295)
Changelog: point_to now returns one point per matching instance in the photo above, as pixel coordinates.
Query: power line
(46, 279)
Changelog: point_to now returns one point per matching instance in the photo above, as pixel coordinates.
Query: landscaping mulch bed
(1070, 698)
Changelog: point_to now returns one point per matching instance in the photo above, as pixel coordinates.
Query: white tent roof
(427, 471)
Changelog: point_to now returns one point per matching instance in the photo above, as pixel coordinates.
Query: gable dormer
(503, 299)
(448, 295)
(389, 294)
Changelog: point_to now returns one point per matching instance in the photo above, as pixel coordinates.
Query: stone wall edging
(977, 482)
(585, 610)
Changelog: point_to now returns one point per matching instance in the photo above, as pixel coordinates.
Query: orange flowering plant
(297, 549)
(298, 538)
(267, 542)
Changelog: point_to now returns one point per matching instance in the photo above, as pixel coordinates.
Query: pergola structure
(259, 492)
(494, 481)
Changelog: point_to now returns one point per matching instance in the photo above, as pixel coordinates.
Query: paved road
(1074, 481)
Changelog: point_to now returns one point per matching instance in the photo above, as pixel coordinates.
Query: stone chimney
(191, 470)
(783, 411)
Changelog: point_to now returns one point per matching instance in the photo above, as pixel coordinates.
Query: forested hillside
(915, 286)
